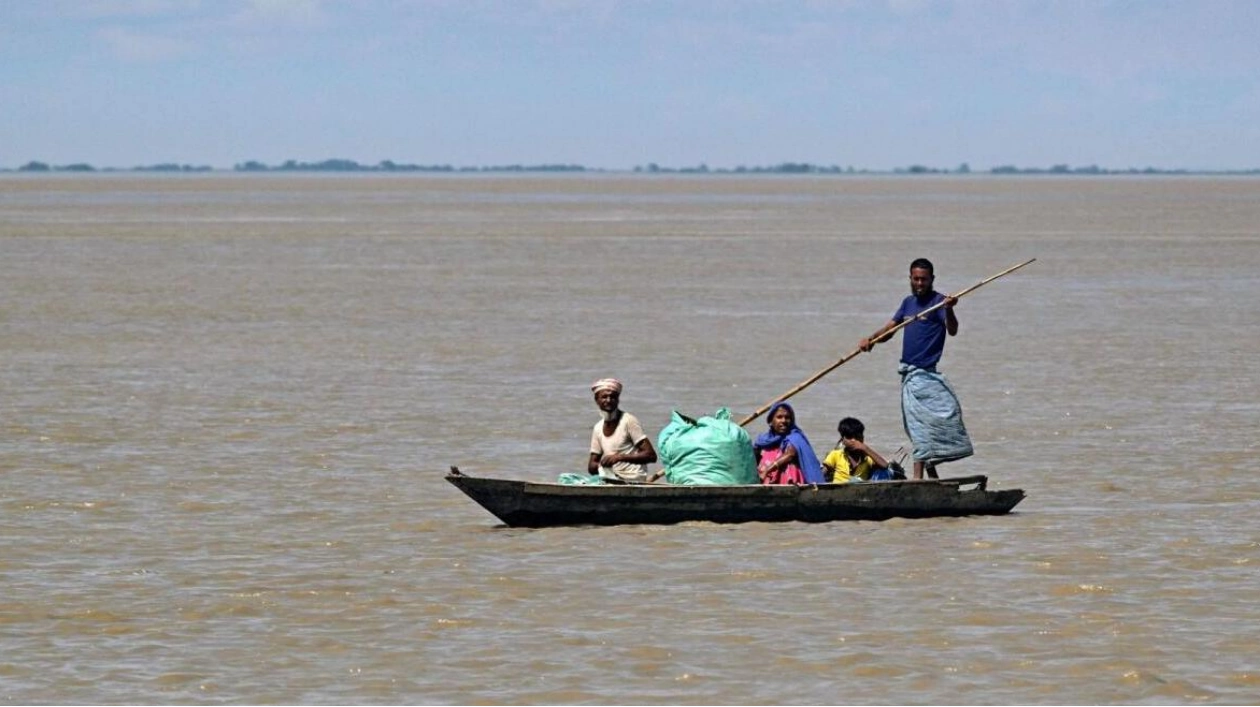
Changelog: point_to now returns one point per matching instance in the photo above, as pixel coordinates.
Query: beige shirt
(622, 441)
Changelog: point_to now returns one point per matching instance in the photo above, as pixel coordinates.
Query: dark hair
(923, 264)
(775, 408)
(851, 428)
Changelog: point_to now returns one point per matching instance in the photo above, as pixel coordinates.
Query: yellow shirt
(838, 461)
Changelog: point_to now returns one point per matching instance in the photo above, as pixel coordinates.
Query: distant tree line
(964, 168)
(44, 167)
(344, 165)
(781, 168)
(333, 165)
(1093, 169)
(34, 166)
(341, 165)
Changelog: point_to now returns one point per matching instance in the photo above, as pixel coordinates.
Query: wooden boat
(529, 504)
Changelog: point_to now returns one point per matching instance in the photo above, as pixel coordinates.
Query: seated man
(619, 447)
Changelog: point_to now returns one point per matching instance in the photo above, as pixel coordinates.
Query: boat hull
(528, 504)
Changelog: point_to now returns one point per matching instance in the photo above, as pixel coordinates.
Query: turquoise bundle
(706, 451)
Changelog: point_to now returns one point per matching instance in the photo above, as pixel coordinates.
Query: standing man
(929, 408)
(619, 448)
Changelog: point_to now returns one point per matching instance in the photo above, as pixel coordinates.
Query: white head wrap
(606, 384)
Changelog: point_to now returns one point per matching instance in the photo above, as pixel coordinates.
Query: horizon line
(787, 167)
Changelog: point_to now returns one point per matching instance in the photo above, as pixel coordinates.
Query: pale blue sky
(612, 84)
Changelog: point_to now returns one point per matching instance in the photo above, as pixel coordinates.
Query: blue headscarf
(805, 457)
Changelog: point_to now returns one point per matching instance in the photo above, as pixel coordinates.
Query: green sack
(707, 451)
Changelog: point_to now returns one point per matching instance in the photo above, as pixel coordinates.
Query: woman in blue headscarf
(784, 455)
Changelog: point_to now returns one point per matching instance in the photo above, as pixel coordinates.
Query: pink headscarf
(606, 384)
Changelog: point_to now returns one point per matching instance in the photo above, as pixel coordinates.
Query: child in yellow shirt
(852, 458)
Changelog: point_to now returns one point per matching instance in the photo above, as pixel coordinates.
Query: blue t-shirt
(922, 341)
